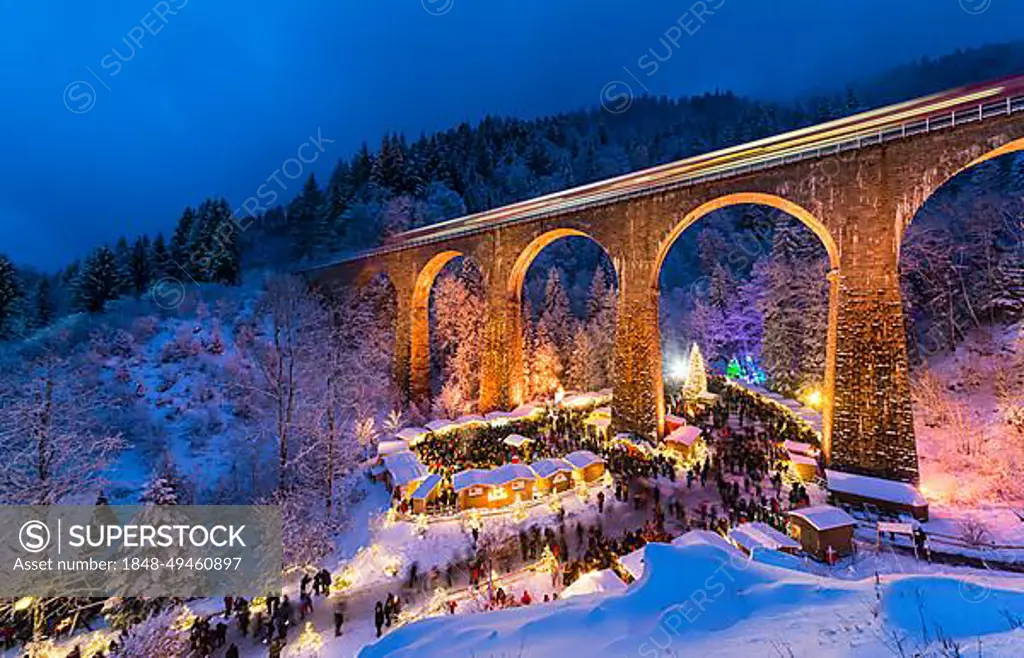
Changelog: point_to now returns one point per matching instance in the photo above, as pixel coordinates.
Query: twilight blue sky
(225, 90)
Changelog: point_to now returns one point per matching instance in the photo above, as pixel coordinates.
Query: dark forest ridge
(933, 112)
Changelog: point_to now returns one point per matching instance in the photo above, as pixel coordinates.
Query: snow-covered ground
(699, 598)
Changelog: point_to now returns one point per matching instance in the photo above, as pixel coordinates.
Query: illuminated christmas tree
(547, 563)
(696, 375)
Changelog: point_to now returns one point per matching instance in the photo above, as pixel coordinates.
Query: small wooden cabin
(824, 531)
(553, 475)
(587, 464)
(426, 493)
(683, 440)
(403, 472)
(886, 495)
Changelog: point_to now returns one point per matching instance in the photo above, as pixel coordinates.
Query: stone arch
(419, 321)
(514, 310)
(831, 248)
(911, 206)
(740, 198)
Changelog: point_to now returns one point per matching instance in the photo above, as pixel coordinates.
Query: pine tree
(139, 267)
(584, 372)
(166, 487)
(180, 241)
(556, 317)
(44, 310)
(307, 222)
(601, 326)
(160, 259)
(10, 294)
(123, 257)
(99, 281)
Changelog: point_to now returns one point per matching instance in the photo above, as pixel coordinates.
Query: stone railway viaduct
(857, 183)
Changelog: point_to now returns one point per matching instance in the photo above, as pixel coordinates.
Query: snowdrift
(700, 596)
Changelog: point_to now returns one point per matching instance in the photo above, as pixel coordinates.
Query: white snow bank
(700, 599)
(595, 582)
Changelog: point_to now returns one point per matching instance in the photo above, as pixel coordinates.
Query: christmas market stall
(426, 493)
(517, 441)
(472, 486)
(403, 472)
(598, 422)
(886, 495)
(491, 489)
(824, 531)
(806, 468)
(553, 475)
(588, 465)
(511, 482)
(683, 440)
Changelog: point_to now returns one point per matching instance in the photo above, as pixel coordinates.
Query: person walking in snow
(378, 617)
(339, 617)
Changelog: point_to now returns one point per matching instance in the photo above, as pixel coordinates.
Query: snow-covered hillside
(700, 597)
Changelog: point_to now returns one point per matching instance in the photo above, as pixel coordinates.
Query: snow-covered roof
(634, 562)
(516, 440)
(440, 425)
(797, 458)
(824, 517)
(799, 447)
(385, 448)
(901, 493)
(594, 582)
(427, 487)
(761, 535)
(411, 434)
(524, 410)
(404, 467)
(583, 458)
(492, 478)
(598, 421)
(471, 478)
(701, 537)
(497, 415)
(686, 435)
(547, 467)
(469, 419)
(509, 472)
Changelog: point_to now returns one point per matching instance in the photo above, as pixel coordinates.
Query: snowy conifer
(99, 282)
(10, 293)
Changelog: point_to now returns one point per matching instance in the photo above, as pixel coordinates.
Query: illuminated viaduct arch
(514, 311)
(419, 325)
(826, 239)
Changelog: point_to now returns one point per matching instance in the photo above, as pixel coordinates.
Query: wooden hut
(403, 472)
(587, 464)
(426, 493)
(886, 495)
(806, 467)
(472, 486)
(683, 440)
(553, 475)
(824, 531)
(511, 482)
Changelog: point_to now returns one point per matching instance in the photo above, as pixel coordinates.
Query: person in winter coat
(232, 651)
(378, 617)
(339, 617)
